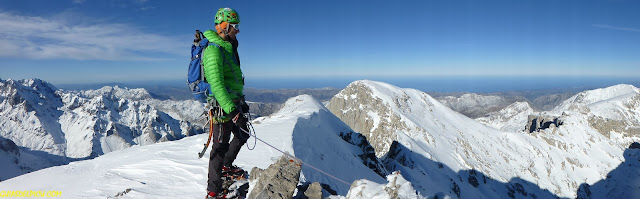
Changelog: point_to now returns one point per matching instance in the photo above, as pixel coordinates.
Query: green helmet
(226, 15)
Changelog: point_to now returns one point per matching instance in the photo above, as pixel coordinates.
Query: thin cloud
(41, 38)
(605, 26)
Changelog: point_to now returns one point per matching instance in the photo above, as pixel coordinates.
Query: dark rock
(123, 192)
(472, 179)
(634, 145)
(368, 156)
(455, 188)
(9, 146)
(537, 123)
(515, 188)
(584, 191)
(328, 188)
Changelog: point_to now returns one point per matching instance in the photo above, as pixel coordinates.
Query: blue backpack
(198, 85)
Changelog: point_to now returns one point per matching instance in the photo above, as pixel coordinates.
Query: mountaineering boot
(213, 195)
(232, 171)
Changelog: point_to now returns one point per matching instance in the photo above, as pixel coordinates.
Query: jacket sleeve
(214, 72)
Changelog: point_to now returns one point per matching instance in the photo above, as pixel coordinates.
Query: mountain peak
(376, 86)
(37, 83)
(300, 103)
(30, 84)
(612, 93)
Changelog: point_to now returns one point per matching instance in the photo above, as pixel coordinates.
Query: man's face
(233, 31)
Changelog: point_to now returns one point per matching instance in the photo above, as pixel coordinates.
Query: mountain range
(383, 141)
(58, 126)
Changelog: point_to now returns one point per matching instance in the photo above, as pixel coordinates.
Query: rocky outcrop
(279, 180)
(634, 145)
(314, 191)
(368, 155)
(536, 123)
(9, 147)
(358, 107)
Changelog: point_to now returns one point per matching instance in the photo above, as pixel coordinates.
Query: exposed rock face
(314, 191)
(279, 180)
(450, 140)
(380, 131)
(537, 123)
(368, 155)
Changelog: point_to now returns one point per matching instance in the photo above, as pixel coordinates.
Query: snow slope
(303, 128)
(441, 151)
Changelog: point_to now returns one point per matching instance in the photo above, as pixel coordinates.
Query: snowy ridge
(588, 98)
(303, 128)
(512, 118)
(437, 141)
(117, 92)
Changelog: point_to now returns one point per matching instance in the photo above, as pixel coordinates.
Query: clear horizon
(145, 40)
(476, 84)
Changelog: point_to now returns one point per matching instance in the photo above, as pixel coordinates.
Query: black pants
(223, 152)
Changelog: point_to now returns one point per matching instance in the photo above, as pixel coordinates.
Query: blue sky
(94, 41)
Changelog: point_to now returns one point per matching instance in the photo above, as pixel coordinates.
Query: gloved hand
(236, 116)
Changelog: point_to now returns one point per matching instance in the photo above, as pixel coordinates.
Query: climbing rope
(251, 129)
(297, 159)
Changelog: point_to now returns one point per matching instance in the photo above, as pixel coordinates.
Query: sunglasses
(234, 25)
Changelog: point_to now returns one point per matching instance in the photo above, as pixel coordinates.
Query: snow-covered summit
(380, 111)
(587, 98)
(300, 105)
(608, 110)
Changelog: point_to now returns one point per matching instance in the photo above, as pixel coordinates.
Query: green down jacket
(222, 72)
